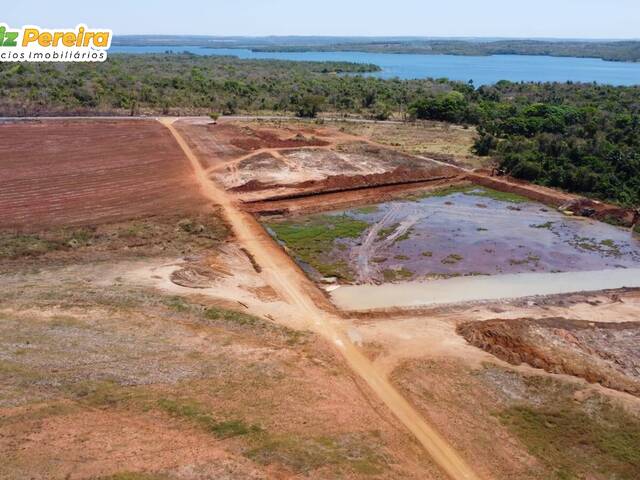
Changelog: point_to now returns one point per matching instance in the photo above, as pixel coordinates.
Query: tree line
(583, 138)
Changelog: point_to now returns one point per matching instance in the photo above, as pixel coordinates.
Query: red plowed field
(79, 172)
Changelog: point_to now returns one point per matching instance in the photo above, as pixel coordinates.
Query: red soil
(79, 172)
(338, 183)
(225, 141)
(253, 139)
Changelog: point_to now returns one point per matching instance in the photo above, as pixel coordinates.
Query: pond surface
(482, 70)
(462, 231)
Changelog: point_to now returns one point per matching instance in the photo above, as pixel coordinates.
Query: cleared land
(79, 172)
(439, 140)
(184, 344)
(258, 161)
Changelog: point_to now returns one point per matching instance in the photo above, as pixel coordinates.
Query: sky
(615, 19)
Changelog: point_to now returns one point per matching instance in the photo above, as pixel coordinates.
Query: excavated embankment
(604, 353)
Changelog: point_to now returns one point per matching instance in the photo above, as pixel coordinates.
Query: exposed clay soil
(94, 353)
(104, 364)
(335, 183)
(260, 162)
(218, 143)
(604, 353)
(79, 172)
(248, 138)
(342, 199)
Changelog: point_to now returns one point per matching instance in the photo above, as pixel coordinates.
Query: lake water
(482, 70)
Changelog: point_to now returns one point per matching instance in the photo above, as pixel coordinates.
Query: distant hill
(619, 50)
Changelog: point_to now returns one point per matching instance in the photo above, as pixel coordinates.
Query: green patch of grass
(38, 412)
(636, 229)
(17, 373)
(473, 190)
(196, 413)
(427, 254)
(368, 209)
(497, 195)
(15, 246)
(605, 247)
(401, 257)
(575, 443)
(379, 259)
(395, 275)
(304, 455)
(177, 303)
(442, 192)
(210, 227)
(338, 269)
(405, 236)
(313, 239)
(452, 259)
(610, 247)
(135, 230)
(232, 317)
(385, 232)
(613, 220)
(101, 394)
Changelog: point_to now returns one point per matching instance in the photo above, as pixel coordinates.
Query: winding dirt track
(302, 294)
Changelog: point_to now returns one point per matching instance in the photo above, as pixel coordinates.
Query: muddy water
(465, 289)
(473, 233)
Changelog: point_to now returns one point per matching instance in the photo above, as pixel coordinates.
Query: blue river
(482, 70)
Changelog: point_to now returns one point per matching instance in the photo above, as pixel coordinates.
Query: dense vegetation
(580, 137)
(624, 51)
(177, 84)
(620, 51)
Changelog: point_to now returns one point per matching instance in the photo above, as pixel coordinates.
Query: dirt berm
(337, 183)
(604, 353)
(584, 207)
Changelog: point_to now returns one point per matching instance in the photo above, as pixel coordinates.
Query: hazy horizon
(417, 37)
(544, 19)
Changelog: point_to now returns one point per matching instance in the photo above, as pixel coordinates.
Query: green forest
(584, 138)
(617, 51)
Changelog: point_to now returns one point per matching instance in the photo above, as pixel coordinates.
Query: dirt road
(298, 291)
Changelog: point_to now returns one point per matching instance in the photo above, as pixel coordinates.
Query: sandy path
(280, 272)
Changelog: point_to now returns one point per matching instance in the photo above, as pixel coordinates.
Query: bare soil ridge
(604, 353)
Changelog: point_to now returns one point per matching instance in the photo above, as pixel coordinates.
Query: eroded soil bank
(604, 353)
